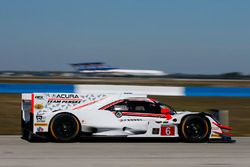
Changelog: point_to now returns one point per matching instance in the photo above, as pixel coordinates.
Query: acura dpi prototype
(64, 117)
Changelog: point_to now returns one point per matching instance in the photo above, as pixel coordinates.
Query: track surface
(15, 152)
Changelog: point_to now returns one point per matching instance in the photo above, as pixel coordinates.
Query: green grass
(10, 113)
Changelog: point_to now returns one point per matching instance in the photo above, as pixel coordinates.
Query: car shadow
(127, 140)
(109, 140)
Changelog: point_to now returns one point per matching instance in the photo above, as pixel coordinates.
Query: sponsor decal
(67, 96)
(164, 123)
(41, 124)
(215, 135)
(41, 112)
(39, 97)
(155, 131)
(39, 129)
(56, 110)
(73, 101)
(38, 106)
(118, 114)
(40, 118)
(122, 120)
(167, 130)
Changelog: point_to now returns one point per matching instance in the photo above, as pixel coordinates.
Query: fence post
(224, 117)
(221, 115)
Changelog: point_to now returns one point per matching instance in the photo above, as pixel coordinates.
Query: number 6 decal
(167, 130)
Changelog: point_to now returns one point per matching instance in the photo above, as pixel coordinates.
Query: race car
(64, 117)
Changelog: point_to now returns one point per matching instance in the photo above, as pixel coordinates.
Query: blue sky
(176, 36)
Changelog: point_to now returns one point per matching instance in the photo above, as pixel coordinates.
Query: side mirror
(165, 110)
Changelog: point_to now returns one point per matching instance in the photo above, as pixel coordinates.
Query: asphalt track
(15, 152)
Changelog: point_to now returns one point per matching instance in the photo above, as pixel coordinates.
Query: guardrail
(151, 90)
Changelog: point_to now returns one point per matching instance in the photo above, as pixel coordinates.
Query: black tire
(194, 129)
(64, 127)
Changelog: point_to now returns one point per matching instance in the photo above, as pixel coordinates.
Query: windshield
(162, 105)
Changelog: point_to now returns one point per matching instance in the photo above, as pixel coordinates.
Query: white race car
(64, 117)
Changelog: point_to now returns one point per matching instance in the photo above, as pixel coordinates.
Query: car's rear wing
(26, 114)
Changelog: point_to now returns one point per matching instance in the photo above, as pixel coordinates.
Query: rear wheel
(64, 127)
(194, 128)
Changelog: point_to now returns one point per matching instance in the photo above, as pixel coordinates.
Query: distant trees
(233, 75)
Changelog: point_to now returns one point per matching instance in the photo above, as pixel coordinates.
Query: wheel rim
(65, 128)
(195, 129)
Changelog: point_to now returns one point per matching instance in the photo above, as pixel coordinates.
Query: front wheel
(194, 128)
(64, 127)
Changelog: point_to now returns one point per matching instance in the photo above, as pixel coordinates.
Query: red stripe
(109, 105)
(92, 102)
(223, 133)
(168, 116)
(143, 114)
(222, 126)
(32, 103)
(64, 99)
(152, 99)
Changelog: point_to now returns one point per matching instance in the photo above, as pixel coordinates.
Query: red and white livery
(64, 117)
